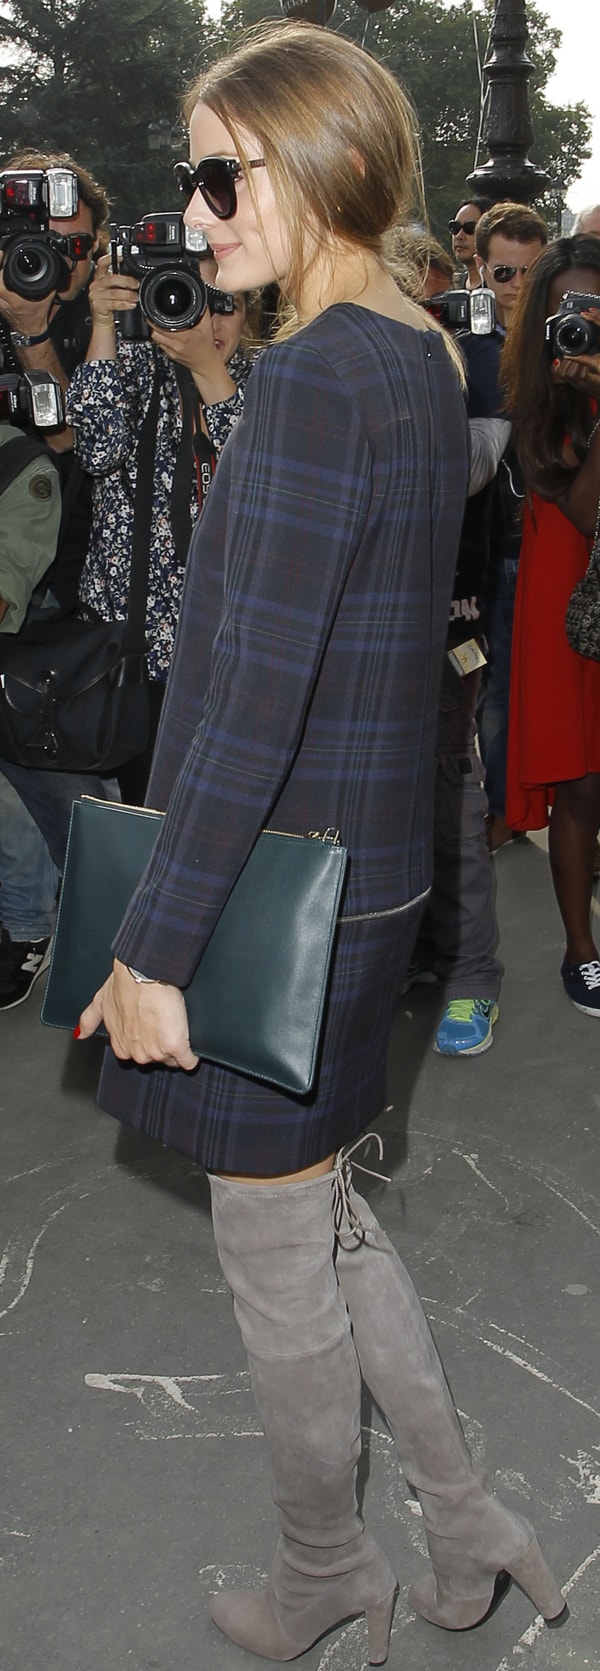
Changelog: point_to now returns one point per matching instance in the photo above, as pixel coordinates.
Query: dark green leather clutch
(257, 998)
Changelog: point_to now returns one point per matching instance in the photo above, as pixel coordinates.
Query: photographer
(554, 737)
(29, 517)
(458, 941)
(49, 333)
(508, 240)
(52, 332)
(202, 373)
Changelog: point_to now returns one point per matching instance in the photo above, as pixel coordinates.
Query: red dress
(554, 730)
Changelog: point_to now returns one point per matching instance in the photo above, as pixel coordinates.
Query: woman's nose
(197, 214)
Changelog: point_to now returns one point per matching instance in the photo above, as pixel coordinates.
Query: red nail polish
(77, 1031)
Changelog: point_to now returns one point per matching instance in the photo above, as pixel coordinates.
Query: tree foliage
(88, 76)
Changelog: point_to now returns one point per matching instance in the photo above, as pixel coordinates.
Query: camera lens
(574, 335)
(33, 268)
(173, 301)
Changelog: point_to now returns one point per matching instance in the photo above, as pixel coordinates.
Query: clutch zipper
(330, 835)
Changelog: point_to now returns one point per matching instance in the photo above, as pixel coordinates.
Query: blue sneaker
(466, 1027)
(581, 982)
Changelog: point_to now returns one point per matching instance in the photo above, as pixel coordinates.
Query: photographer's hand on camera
(197, 350)
(28, 317)
(109, 293)
(581, 370)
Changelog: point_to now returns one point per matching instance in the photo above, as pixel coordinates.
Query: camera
(32, 397)
(38, 260)
(466, 310)
(567, 333)
(163, 253)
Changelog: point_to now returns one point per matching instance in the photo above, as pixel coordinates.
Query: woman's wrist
(214, 386)
(103, 340)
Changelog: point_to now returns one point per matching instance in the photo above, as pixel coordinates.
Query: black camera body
(33, 397)
(567, 333)
(37, 260)
(464, 310)
(163, 254)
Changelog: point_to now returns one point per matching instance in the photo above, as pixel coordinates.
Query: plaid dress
(304, 694)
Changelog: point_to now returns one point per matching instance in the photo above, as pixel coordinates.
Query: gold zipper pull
(330, 834)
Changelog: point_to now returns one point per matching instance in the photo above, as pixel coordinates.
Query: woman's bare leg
(572, 837)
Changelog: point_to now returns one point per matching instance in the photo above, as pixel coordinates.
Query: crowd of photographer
(133, 367)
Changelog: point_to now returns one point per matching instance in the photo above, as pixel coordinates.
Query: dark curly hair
(543, 412)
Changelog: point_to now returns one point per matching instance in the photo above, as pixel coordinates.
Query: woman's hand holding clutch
(146, 1021)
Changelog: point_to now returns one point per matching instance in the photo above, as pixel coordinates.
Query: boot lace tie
(343, 1208)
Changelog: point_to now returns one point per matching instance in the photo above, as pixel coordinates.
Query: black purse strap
(594, 562)
(195, 452)
(181, 488)
(134, 642)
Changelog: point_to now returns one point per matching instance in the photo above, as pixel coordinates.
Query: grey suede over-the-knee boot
(275, 1245)
(474, 1540)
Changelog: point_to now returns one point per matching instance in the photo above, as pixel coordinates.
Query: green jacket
(29, 522)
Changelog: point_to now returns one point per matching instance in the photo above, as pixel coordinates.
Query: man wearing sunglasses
(507, 240)
(462, 231)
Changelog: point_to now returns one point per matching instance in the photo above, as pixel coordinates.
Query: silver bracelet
(140, 979)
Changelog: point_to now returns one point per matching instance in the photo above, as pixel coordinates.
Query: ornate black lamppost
(508, 133)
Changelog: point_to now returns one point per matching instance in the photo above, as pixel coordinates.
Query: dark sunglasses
(503, 275)
(215, 178)
(467, 226)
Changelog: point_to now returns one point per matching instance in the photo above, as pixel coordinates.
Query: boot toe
(247, 1617)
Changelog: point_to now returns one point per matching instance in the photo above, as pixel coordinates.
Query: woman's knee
(580, 799)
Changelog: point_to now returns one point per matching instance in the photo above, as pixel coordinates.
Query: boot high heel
(533, 1575)
(529, 1570)
(379, 1626)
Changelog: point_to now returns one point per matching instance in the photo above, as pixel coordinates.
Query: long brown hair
(337, 133)
(545, 413)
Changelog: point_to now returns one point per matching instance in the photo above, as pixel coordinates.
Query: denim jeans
(29, 878)
(459, 934)
(49, 796)
(494, 703)
(35, 812)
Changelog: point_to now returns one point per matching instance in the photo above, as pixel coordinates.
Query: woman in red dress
(554, 737)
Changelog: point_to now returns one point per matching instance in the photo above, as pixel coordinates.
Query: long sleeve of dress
(285, 515)
(106, 402)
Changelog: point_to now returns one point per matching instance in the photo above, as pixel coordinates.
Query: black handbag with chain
(74, 688)
(582, 621)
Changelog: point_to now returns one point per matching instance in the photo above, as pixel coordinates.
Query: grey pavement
(134, 1469)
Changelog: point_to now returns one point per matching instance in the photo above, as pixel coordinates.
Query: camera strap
(143, 504)
(195, 451)
(16, 454)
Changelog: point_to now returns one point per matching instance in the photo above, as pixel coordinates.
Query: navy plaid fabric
(303, 695)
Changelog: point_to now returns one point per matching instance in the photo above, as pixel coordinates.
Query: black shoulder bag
(74, 688)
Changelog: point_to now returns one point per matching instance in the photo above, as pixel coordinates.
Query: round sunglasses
(503, 275)
(215, 178)
(468, 226)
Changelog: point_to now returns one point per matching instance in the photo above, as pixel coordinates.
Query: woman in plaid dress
(304, 695)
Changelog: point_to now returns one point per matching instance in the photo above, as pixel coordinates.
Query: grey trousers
(459, 934)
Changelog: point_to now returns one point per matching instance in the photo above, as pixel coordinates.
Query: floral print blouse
(106, 403)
